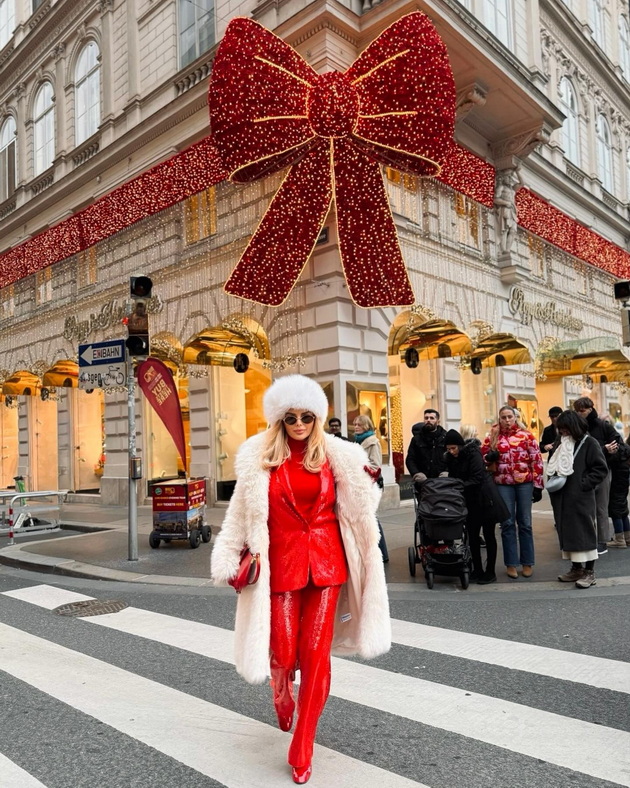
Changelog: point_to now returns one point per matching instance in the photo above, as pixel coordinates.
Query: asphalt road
(149, 696)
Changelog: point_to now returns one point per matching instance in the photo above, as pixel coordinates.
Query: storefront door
(8, 445)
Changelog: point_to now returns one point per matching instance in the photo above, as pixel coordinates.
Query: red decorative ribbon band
(269, 109)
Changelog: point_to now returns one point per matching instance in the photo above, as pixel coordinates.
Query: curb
(14, 557)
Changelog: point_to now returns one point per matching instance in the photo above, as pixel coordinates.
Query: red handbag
(248, 570)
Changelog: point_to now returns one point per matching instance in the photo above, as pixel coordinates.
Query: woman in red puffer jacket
(519, 479)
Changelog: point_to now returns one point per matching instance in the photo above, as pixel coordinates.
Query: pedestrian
(425, 455)
(519, 479)
(618, 497)
(610, 441)
(464, 462)
(304, 503)
(579, 459)
(334, 428)
(365, 434)
(550, 433)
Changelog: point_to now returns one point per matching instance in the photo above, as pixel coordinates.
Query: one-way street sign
(102, 364)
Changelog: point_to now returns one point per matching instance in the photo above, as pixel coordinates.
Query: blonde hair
(496, 428)
(468, 431)
(365, 422)
(277, 449)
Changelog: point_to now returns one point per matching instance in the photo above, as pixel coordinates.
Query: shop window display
(88, 416)
(369, 399)
(239, 414)
(479, 404)
(527, 406)
(8, 443)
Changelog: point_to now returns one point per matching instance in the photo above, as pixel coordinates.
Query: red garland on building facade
(201, 166)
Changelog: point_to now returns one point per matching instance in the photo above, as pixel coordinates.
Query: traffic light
(138, 321)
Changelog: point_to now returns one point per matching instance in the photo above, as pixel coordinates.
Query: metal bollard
(11, 539)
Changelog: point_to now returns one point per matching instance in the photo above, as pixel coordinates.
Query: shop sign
(545, 311)
(109, 314)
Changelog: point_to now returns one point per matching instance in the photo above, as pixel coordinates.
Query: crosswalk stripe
(566, 665)
(13, 776)
(563, 741)
(150, 712)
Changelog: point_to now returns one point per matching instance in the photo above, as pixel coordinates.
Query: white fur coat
(362, 623)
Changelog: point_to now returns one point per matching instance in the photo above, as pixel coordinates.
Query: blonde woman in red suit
(305, 502)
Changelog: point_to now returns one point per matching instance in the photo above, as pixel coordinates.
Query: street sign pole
(133, 484)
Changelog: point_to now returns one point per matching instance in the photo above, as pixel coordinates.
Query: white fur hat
(297, 392)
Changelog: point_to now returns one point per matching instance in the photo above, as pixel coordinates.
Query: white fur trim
(368, 631)
(297, 392)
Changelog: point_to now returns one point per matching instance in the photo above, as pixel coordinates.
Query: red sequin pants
(302, 624)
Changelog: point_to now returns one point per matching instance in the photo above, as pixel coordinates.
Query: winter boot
(626, 536)
(618, 540)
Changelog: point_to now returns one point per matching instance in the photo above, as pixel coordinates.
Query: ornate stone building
(512, 252)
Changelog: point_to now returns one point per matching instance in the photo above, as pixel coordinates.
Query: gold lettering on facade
(546, 312)
(110, 313)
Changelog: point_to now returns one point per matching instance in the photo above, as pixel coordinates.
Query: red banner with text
(156, 381)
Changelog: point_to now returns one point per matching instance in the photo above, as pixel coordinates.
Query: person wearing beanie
(304, 502)
(550, 433)
(464, 462)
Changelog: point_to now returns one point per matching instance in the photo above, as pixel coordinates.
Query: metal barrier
(19, 515)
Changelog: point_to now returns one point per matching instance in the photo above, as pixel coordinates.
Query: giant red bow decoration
(269, 109)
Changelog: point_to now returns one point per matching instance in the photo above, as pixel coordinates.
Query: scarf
(561, 463)
(361, 436)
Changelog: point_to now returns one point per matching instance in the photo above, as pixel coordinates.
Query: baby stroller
(440, 541)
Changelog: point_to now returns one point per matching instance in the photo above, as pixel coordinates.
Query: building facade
(509, 253)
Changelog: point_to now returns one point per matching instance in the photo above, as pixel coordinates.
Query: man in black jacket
(550, 433)
(612, 446)
(425, 456)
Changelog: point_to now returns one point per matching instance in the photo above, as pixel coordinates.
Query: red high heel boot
(301, 774)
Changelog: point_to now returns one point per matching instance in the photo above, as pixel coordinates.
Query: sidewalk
(101, 552)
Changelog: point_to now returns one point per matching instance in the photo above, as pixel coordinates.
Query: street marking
(149, 712)
(12, 775)
(565, 665)
(563, 741)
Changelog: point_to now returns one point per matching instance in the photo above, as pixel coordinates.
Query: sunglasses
(305, 418)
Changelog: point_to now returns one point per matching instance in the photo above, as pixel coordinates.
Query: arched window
(44, 117)
(571, 126)
(596, 20)
(624, 47)
(7, 20)
(88, 92)
(7, 159)
(604, 153)
(496, 17)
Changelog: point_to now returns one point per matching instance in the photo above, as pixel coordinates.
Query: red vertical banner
(156, 381)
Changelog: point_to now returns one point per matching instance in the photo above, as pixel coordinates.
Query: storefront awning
(215, 347)
(501, 350)
(63, 374)
(434, 339)
(22, 382)
(595, 357)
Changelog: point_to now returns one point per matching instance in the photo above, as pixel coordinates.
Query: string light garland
(394, 106)
(542, 219)
(469, 174)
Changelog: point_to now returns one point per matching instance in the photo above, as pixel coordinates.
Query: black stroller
(440, 540)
